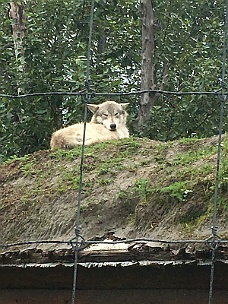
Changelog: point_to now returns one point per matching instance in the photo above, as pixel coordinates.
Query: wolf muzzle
(113, 127)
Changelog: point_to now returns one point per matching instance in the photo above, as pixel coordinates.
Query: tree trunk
(17, 14)
(148, 47)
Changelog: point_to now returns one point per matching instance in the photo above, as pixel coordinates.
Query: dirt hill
(132, 188)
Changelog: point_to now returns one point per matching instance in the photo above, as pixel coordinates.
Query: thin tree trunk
(148, 47)
(17, 14)
(102, 39)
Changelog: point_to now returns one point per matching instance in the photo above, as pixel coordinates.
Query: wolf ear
(124, 105)
(92, 107)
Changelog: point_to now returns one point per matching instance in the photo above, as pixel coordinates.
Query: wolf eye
(104, 114)
(116, 114)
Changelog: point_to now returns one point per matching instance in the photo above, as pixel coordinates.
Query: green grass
(15, 158)
(189, 174)
(194, 155)
(60, 154)
(179, 190)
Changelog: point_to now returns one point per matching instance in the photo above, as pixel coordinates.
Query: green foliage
(142, 187)
(178, 190)
(190, 44)
(189, 41)
(191, 156)
(223, 178)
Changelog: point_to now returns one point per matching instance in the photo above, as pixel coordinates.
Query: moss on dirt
(133, 187)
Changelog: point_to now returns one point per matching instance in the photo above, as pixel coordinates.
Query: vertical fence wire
(86, 101)
(223, 98)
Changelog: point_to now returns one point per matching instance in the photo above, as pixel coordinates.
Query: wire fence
(208, 241)
(93, 93)
(77, 243)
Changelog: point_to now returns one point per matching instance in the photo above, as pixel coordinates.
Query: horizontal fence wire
(126, 241)
(94, 93)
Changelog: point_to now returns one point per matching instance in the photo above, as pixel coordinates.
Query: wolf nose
(113, 127)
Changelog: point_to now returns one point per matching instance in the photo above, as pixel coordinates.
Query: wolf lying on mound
(108, 122)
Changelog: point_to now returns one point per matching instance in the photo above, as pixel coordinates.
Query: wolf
(108, 122)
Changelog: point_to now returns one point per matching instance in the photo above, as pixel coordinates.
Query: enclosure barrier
(214, 240)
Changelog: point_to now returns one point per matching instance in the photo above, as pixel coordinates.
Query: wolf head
(109, 113)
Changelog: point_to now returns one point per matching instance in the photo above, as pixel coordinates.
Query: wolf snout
(113, 127)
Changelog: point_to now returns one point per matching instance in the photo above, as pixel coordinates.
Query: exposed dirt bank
(133, 188)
